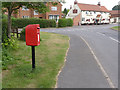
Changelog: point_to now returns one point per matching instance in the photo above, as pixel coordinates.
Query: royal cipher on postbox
(32, 35)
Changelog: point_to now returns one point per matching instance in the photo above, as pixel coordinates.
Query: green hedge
(20, 23)
(65, 22)
(4, 30)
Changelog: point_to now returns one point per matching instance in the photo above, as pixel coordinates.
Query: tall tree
(13, 6)
(116, 7)
(66, 11)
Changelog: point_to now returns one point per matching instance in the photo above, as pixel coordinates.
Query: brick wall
(77, 20)
(58, 12)
(30, 12)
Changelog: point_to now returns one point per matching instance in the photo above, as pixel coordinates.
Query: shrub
(65, 22)
(7, 58)
(22, 34)
(62, 23)
(4, 30)
(4, 16)
(20, 23)
(69, 22)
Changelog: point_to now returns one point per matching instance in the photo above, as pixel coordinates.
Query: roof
(90, 7)
(115, 13)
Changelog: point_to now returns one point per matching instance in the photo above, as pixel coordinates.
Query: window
(25, 16)
(24, 8)
(54, 8)
(75, 11)
(86, 12)
(55, 17)
(35, 12)
(90, 12)
(83, 19)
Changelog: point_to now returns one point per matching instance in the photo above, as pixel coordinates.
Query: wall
(58, 12)
(76, 20)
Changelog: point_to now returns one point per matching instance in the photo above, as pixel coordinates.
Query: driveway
(92, 60)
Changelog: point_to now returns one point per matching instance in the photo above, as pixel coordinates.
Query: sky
(109, 4)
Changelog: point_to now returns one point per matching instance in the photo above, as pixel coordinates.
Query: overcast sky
(109, 4)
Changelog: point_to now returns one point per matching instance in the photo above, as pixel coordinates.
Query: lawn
(116, 28)
(50, 57)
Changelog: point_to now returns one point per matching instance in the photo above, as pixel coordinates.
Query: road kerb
(63, 65)
(99, 64)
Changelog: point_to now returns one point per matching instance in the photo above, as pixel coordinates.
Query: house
(88, 14)
(55, 12)
(115, 16)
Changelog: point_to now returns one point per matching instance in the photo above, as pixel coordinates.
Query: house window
(54, 8)
(86, 12)
(83, 19)
(24, 8)
(25, 16)
(35, 12)
(55, 17)
(75, 11)
(90, 12)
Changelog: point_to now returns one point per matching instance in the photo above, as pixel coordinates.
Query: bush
(7, 58)
(65, 22)
(22, 34)
(62, 23)
(4, 30)
(20, 23)
(69, 22)
(4, 16)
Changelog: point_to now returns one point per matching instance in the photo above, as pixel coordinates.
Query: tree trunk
(9, 23)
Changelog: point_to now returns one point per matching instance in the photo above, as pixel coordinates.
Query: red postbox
(32, 34)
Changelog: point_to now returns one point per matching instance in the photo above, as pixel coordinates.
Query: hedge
(4, 29)
(65, 22)
(20, 23)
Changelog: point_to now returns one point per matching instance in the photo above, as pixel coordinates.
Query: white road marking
(100, 65)
(114, 40)
(100, 33)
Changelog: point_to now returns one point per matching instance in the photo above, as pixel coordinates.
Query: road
(92, 60)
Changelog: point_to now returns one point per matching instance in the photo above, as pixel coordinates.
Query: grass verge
(50, 57)
(116, 28)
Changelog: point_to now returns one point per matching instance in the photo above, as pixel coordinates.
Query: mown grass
(116, 28)
(49, 60)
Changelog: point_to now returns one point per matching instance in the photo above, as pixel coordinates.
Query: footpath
(81, 69)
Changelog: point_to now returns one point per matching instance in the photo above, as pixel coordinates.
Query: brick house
(115, 16)
(88, 14)
(55, 12)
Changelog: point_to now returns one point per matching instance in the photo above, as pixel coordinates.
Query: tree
(116, 7)
(66, 11)
(14, 6)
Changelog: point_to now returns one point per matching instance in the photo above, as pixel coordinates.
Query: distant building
(115, 16)
(54, 13)
(88, 13)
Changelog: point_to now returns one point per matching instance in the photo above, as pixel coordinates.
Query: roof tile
(90, 7)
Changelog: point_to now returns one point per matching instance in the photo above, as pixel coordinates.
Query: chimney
(99, 4)
(75, 2)
(70, 6)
